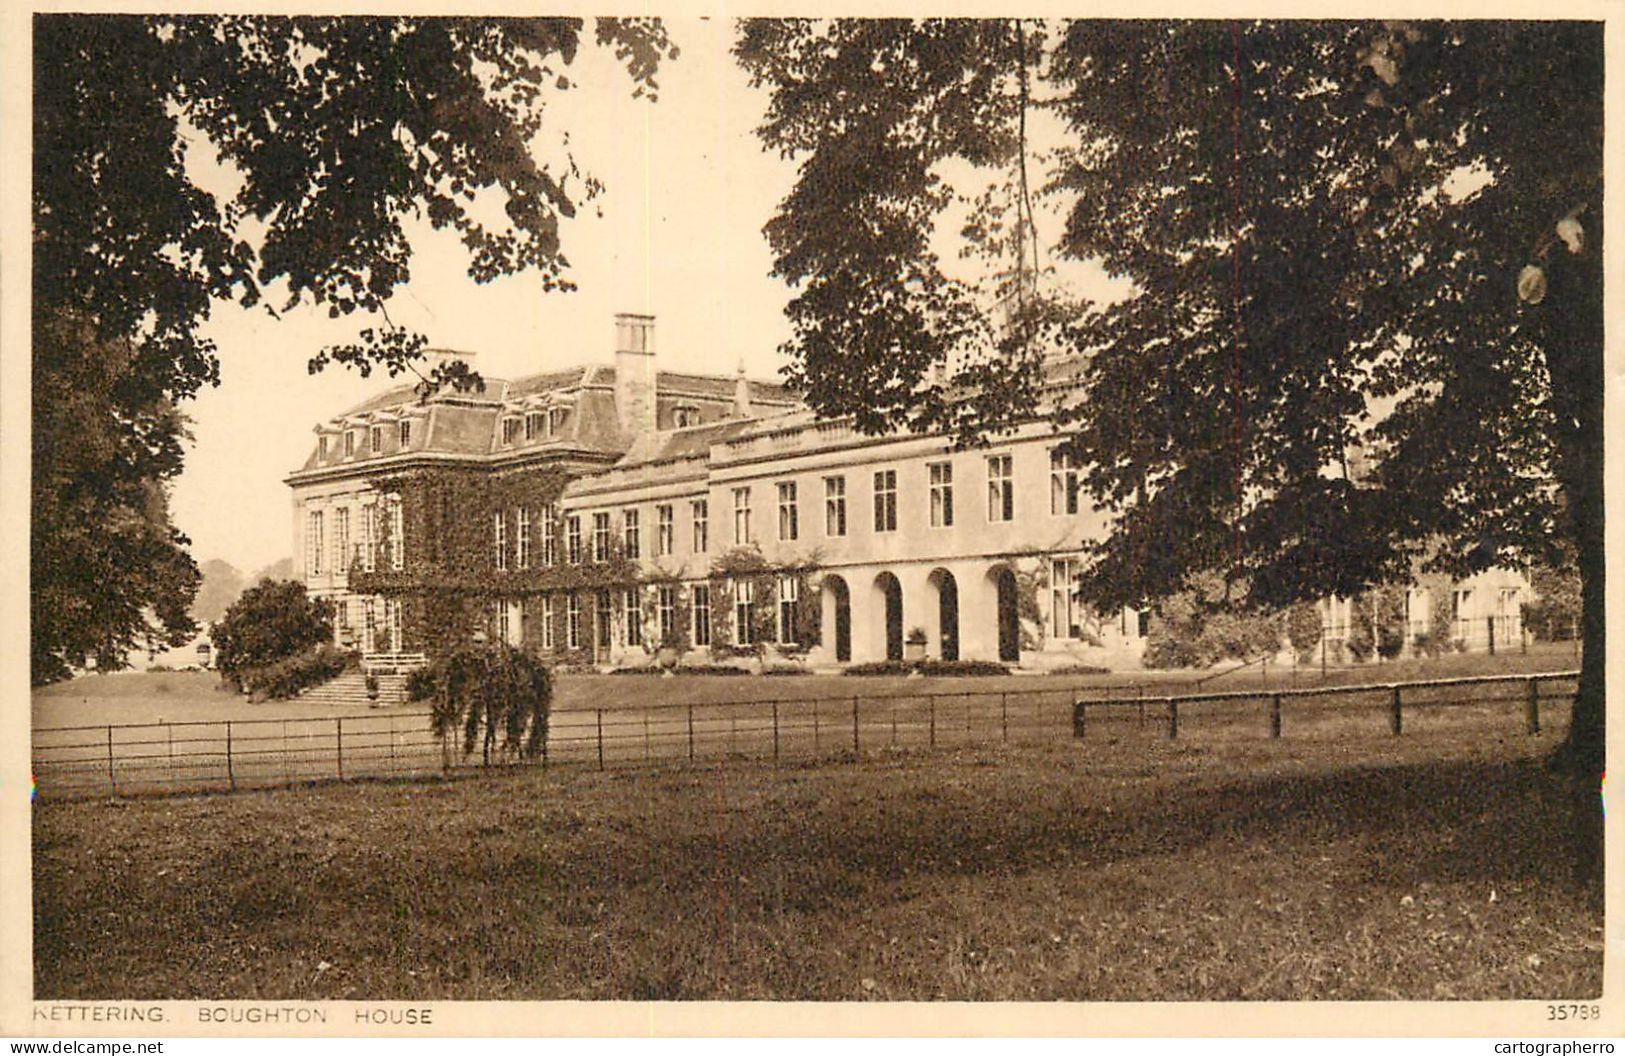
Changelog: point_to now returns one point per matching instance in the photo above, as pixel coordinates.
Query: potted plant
(914, 644)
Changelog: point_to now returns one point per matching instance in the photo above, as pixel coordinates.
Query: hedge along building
(607, 514)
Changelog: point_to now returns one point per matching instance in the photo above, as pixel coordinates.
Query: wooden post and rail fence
(227, 755)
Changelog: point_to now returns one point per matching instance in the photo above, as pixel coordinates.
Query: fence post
(1079, 708)
(1489, 621)
(1531, 707)
(112, 782)
(600, 714)
(691, 733)
(775, 733)
(1173, 718)
(1004, 717)
(1396, 720)
(856, 748)
(340, 741)
(231, 775)
(933, 703)
(1275, 715)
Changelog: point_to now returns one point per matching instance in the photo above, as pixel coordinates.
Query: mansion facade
(616, 515)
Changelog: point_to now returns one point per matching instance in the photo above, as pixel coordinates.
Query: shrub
(1082, 669)
(685, 669)
(946, 668)
(289, 677)
(1304, 629)
(269, 623)
(485, 690)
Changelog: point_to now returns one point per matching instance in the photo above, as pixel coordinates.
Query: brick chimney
(742, 407)
(635, 372)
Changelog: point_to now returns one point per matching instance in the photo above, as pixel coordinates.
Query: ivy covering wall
(452, 586)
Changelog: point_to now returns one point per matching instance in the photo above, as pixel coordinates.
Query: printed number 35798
(1560, 1012)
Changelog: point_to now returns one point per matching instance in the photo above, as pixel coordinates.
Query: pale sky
(689, 189)
(679, 236)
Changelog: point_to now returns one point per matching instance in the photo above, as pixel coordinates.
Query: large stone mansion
(619, 514)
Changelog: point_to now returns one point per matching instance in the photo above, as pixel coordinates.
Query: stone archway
(1007, 611)
(837, 606)
(889, 602)
(947, 590)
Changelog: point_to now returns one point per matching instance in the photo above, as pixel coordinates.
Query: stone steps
(350, 690)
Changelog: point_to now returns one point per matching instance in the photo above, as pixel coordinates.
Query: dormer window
(376, 439)
(406, 434)
(536, 426)
(556, 419)
(321, 448)
(685, 416)
(510, 430)
(349, 443)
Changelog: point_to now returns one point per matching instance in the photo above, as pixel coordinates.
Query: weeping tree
(331, 133)
(1364, 332)
(499, 698)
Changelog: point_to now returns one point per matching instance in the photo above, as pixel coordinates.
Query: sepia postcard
(695, 521)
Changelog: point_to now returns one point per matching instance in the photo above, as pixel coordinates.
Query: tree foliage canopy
(316, 139)
(1347, 241)
(271, 621)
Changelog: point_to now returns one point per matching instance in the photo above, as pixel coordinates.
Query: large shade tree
(1343, 238)
(334, 131)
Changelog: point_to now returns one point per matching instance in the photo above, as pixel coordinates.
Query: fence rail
(227, 755)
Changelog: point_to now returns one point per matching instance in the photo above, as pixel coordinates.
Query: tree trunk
(1574, 344)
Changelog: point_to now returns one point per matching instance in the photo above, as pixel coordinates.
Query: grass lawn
(1122, 867)
(190, 696)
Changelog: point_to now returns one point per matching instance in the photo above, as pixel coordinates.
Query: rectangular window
(631, 532)
(535, 425)
(789, 594)
(741, 516)
(504, 627)
(550, 527)
(788, 528)
(702, 535)
(1001, 489)
(605, 622)
(1063, 482)
(524, 537)
(886, 500)
(942, 494)
(321, 448)
(1066, 616)
(834, 506)
(397, 534)
(341, 539)
(634, 617)
(375, 440)
(600, 536)
(313, 543)
(349, 444)
(744, 612)
(572, 539)
(572, 621)
(547, 622)
(702, 615)
(369, 536)
(406, 434)
(510, 430)
(499, 535)
(666, 611)
(665, 531)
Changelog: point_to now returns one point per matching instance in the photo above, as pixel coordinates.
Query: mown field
(1363, 866)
